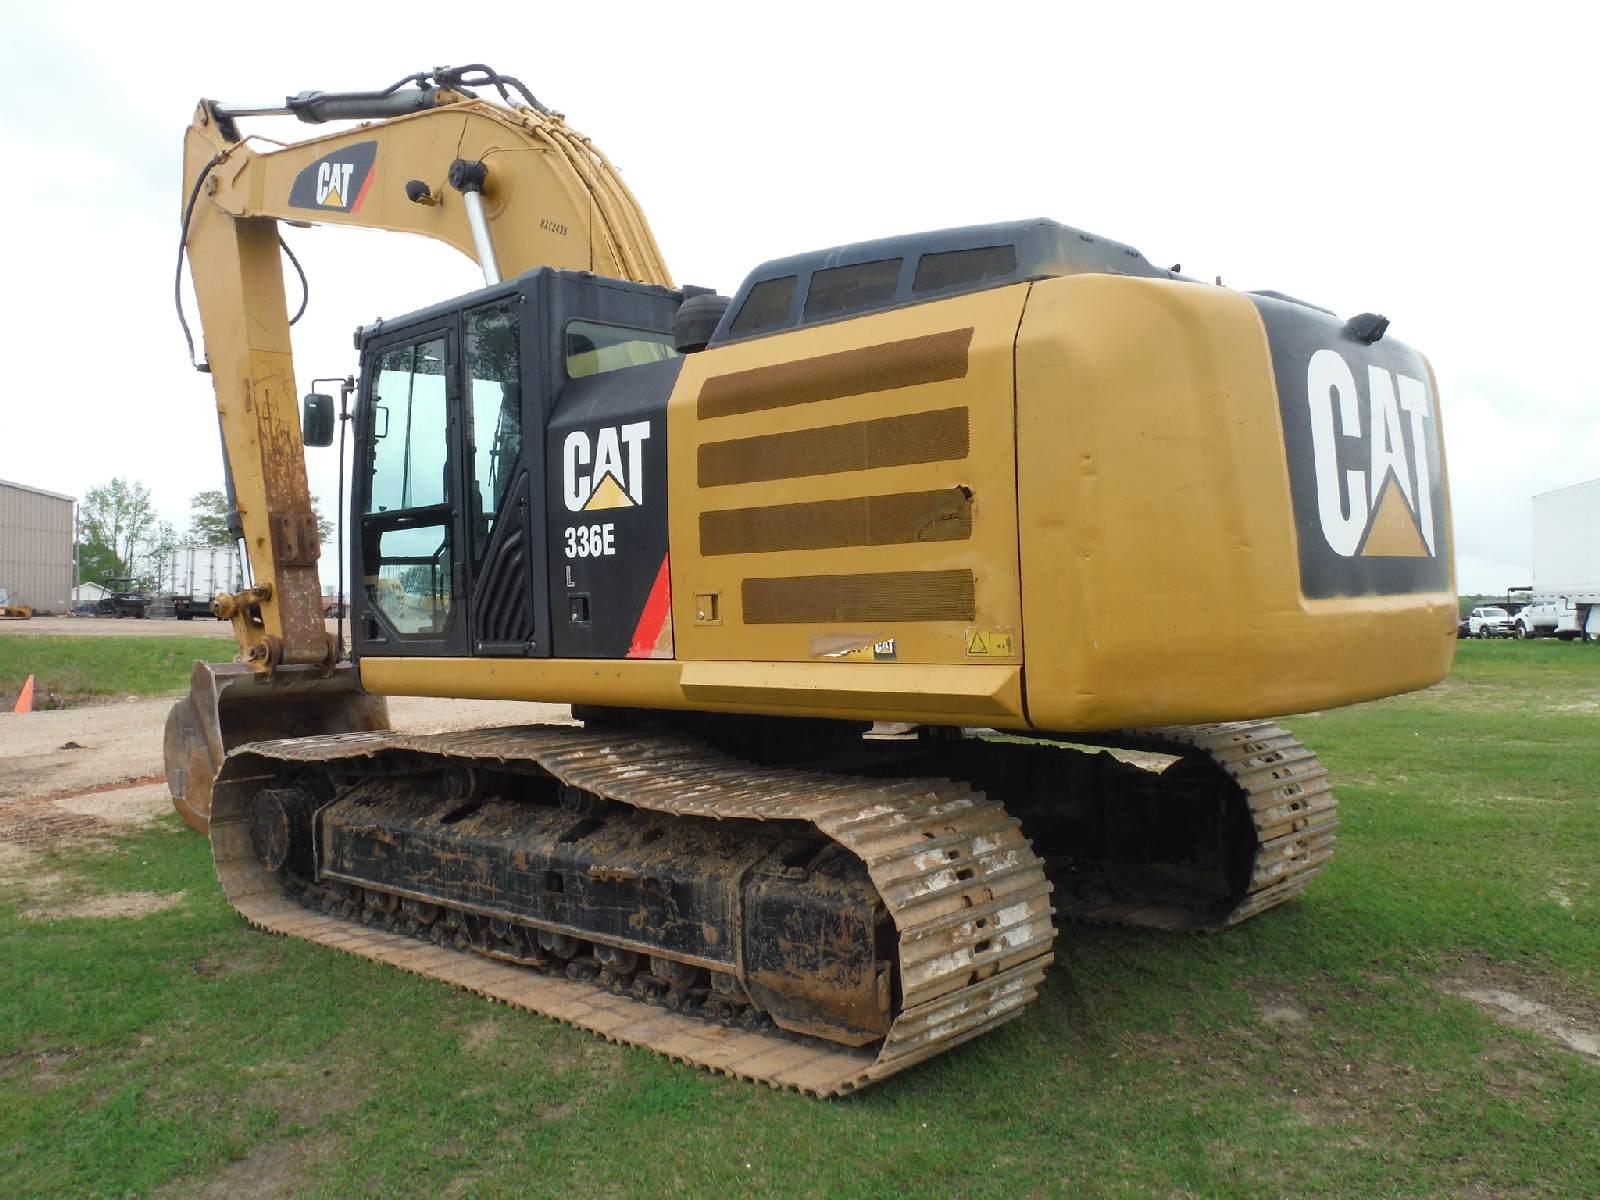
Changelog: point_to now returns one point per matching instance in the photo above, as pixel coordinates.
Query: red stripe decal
(365, 184)
(653, 620)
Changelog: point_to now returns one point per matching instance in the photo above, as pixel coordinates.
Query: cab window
(494, 394)
(848, 289)
(411, 582)
(957, 268)
(594, 349)
(406, 528)
(408, 428)
(766, 307)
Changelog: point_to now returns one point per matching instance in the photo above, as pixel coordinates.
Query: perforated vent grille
(905, 363)
(937, 436)
(938, 516)
(886, 596)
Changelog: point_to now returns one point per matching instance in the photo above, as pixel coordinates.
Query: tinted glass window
(846, 289)
(594, 349)
(495, 393)
(766, 307)
(409, 576)
(952, 268)
(408, 428)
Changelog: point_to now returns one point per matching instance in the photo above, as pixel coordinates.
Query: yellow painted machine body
(1065, 505)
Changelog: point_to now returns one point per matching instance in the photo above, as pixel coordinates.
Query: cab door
(502, 429)
(409, 568)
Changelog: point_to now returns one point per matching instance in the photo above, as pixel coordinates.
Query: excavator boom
(512, 188)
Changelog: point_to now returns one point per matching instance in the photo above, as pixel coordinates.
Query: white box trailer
(1565, 597)
(194, 575)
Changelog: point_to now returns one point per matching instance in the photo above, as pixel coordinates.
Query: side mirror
(316, 420)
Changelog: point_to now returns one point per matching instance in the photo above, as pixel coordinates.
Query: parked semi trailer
(1564, 600)
(196, 575)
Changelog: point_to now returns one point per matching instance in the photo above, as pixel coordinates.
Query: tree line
(120, 535)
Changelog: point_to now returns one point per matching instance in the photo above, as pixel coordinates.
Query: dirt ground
(124, 627)
(75, 775)
(63, 760)
(93, 767)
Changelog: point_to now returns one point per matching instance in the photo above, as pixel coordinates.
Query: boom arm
(547, 198)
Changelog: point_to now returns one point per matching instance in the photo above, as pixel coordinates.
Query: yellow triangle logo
(608, 493)
(1393, 532)
(333, 199)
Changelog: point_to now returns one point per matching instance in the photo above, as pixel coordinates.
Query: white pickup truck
(1491, 621)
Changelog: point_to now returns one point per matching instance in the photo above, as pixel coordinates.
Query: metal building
(36, 547)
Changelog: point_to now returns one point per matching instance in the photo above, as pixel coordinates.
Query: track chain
(969, 899)
(1292, 811)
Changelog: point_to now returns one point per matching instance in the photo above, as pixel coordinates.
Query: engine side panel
(846, 493)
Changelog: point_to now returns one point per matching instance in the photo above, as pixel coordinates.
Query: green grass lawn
(74, 669)
(1316, 1051)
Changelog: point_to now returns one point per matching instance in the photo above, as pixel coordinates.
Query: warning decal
(990, 643)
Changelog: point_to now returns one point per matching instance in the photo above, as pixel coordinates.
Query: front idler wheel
(280, 829)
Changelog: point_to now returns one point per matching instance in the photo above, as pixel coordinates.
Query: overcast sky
(1433, 163)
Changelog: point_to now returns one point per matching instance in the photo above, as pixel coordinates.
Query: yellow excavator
(923, 593)
(11, 610)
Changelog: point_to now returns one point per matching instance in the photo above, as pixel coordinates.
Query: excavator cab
(495, 434)
(499, 435)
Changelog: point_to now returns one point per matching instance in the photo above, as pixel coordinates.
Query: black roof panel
(1043, 249)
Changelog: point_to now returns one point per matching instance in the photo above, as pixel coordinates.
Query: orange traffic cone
(25, 700)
